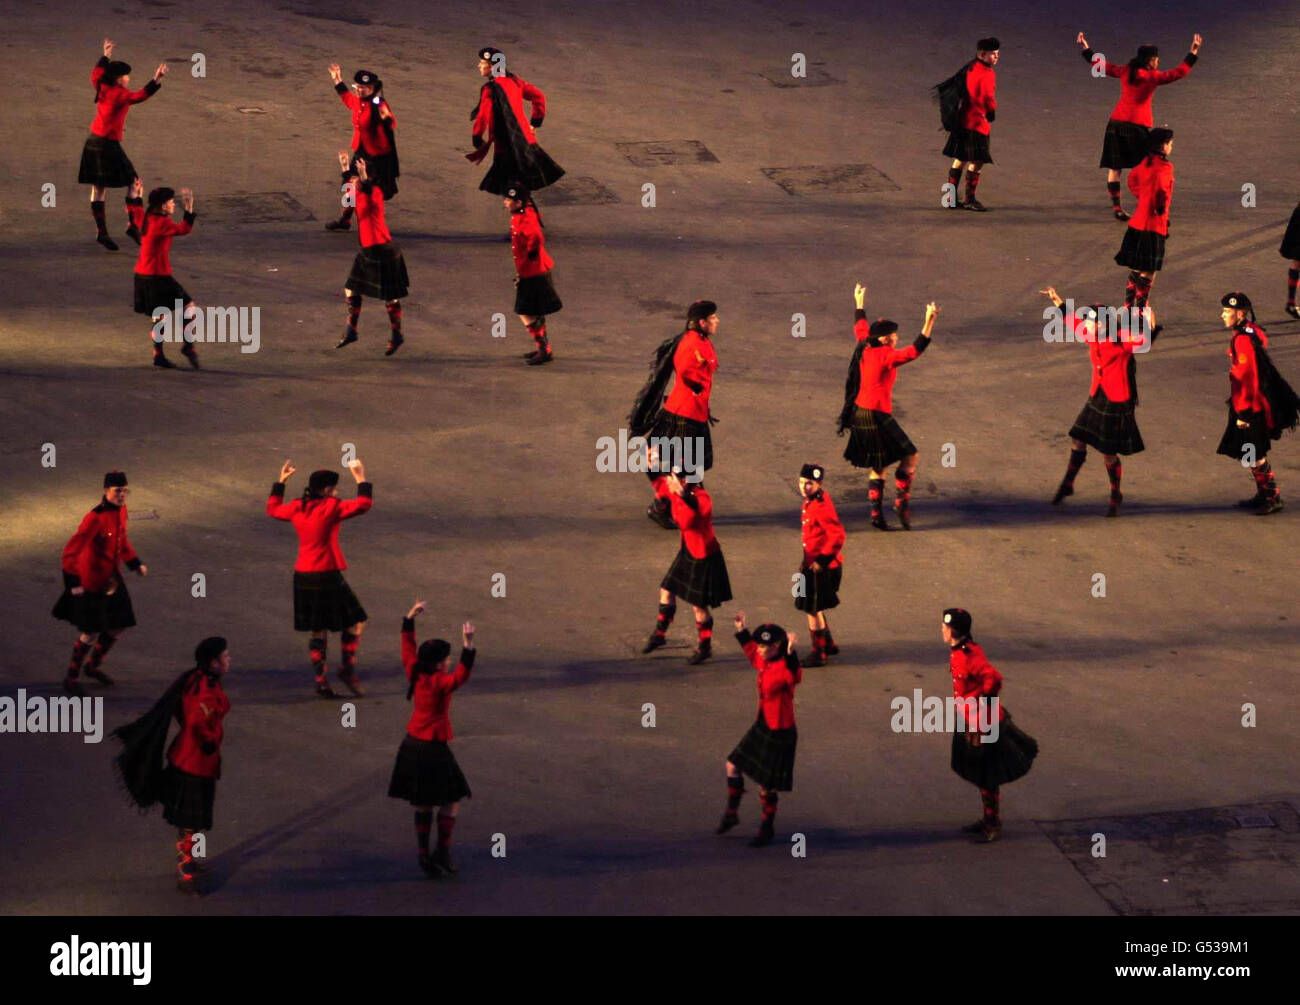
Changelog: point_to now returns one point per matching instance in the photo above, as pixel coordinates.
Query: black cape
(951, 94)
(851, 387)
(519, 161)
(649, 400)
(141, 765)
(1283, 404)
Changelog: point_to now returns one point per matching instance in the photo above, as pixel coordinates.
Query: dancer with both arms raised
(373, 136)
(378, 270)
(156, 289)
(876, 439)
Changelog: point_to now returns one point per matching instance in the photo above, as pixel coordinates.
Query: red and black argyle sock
(875, 489)
(1115, 472)
(828, 640)
(903, 487)
(423, 825)
(770, 800)
(134, 212)
(735, 789)
(1113, 188)
(446, 823)
(1142, 291)
(97, 211)
(972, 183)
(185, 854)
(103, 644)
(666, 612)
(1130, 288)
(1077, 457)
(394, 308)
(705, 630)
(538, 331)
(348, 644)
(990, 799)
(818, 642)
(1264, 480)
(1292, 281)
(354, 312)
(316, 647)
(79, 651)
(954, 179)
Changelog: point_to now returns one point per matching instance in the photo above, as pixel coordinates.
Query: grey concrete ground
(482, 465)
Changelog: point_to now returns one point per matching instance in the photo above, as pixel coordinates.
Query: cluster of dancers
(671, 409)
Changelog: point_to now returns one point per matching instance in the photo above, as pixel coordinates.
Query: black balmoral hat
(700, 310)
(959, 620)
(813, 471)
(115, 479)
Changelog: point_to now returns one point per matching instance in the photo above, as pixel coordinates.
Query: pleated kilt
(534, 172)
(821, 590)
(767, 755)
(702, 582)
(152, 292)
(1291, 239)
(323, 601)
(969, 146)
(989, 765)
(104, 163)
(187, 799)
(1110, 426)
(381, 169)
(380, 272)
(96, 612)
(876, 440)
(673, 426)
(535, 296)
(426, 774)
(1124, 145)
(1237, 438)
(1143, 250)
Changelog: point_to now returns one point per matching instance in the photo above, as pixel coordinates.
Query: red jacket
(317, 523)
(823, 534)
(92, 554)
(694, 364)
(528, 243)
(1109, 356)
(1152, 182)
(980, 103)
(974, 677)
(1243, 371)
(693, 514)
(156, 242)
(369, 128)
(368, 198)
(112, 102)
(879, 369)
(517, 91)
(1134, 103)
(776, 683)
(197, 748)
(431, 702)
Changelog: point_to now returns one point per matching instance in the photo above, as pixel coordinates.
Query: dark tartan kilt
(535, 173)
(323, 601)
(96, 612)
(104, 163)
(670, 425)
(381, 169)
(989, 765)
(876, 440)
(969, 146)
(187, 799)
(1291, 239)
(535, 296)
(426, 774)
(380, 272)
(1143, 250)
(152, 292)
(1110, 426)
(1124, 146)
(767, 755)
(702, 582)
(821, 589)
(1236, 438)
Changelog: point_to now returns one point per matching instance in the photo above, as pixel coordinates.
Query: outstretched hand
(416, 610)
(740, 621)
(286, 469)
(108, 48)
(467, 635)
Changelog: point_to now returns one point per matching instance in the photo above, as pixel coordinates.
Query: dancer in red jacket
(535, 295)
(1143, 248)
(969, 144)
(425, 773)
(876, 439)
(95, 598)
(156, 289)
(822, 536)
(373, 128)
(1108, 421)
(499, 118)
(1125, 144)
(322, 600)
(104, 164)
(986, 762)
(766, 752)
(378, 270)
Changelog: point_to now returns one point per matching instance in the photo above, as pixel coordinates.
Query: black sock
(1113, 188)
